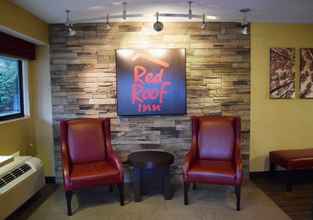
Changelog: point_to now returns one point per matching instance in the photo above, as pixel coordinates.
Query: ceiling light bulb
(158, 26)
(71, 32)
(245, 29)
(107, 26)
(203, 26)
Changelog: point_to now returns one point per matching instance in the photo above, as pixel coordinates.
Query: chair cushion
(94, 173)
(86, 140)
(293, 159)
(216, 138)
(212, 171)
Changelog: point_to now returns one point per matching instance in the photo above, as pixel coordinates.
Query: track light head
(71, 32)
(245, 23)
(158, 26)
(204, 22)
(107, 25)
(69, 26)
(245, 29)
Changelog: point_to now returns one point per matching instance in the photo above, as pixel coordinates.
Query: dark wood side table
(155, 162)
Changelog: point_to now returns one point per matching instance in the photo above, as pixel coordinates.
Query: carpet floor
(298, 203)
(206, 203)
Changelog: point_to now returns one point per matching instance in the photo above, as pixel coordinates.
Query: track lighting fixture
(245, 23)
(107, 25)
(204, 23)
(158, 26)
(69, 26)
(190, 10)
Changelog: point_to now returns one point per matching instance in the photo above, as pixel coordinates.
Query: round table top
(150, 159)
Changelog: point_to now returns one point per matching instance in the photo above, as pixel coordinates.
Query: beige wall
(277, 124)
(31, 136)
(42, 109)
(16, 136)
(23, 22)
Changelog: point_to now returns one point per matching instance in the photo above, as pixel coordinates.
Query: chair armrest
(115, 161)
(64, 152)
(238, 165)
(189, 158)
(66, 164)
(239, 173)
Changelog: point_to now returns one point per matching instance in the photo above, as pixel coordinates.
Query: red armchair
(214, 157)
(88, 157)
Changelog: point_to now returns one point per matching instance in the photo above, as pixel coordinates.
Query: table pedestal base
(145, 178)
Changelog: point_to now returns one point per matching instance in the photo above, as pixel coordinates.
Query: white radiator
(19, 180)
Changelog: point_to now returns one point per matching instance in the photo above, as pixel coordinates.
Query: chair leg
(111, 188)
(186, 188)
(289, 181)
(194, 186)
(238, 194)
(68, 196)
(272, 168)
(121, 190)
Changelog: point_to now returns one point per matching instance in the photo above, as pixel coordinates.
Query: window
(11, 88)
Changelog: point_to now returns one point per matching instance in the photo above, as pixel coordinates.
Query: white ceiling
(290, 11)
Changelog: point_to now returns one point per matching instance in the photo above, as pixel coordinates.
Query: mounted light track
(189, 15)
(124, 15)
(158, 26)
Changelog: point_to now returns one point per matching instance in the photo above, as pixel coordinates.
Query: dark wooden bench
(291, 160)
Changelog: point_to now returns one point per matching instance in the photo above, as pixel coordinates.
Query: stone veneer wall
(84, 81)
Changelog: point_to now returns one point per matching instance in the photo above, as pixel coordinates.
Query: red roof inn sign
(151, 81)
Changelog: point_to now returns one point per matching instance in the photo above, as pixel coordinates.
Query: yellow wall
(42, 109)
(16, 136)
(30, 136)
(277, 124)
(23, 22)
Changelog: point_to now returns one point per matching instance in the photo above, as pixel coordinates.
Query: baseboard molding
(50, 180)
(261, 174)
(258, 174)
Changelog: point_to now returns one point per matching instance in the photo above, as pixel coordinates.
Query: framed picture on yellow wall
(282, 73)
(306, 73)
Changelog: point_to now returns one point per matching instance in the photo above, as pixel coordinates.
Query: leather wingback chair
(88, 157)
(214, 157)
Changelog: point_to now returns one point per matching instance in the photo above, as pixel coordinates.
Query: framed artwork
(282, 73)
(151, 81)
(306, 73)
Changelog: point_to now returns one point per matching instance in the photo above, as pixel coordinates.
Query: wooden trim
(16, 47)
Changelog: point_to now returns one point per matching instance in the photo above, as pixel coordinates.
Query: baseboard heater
(20, 179)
